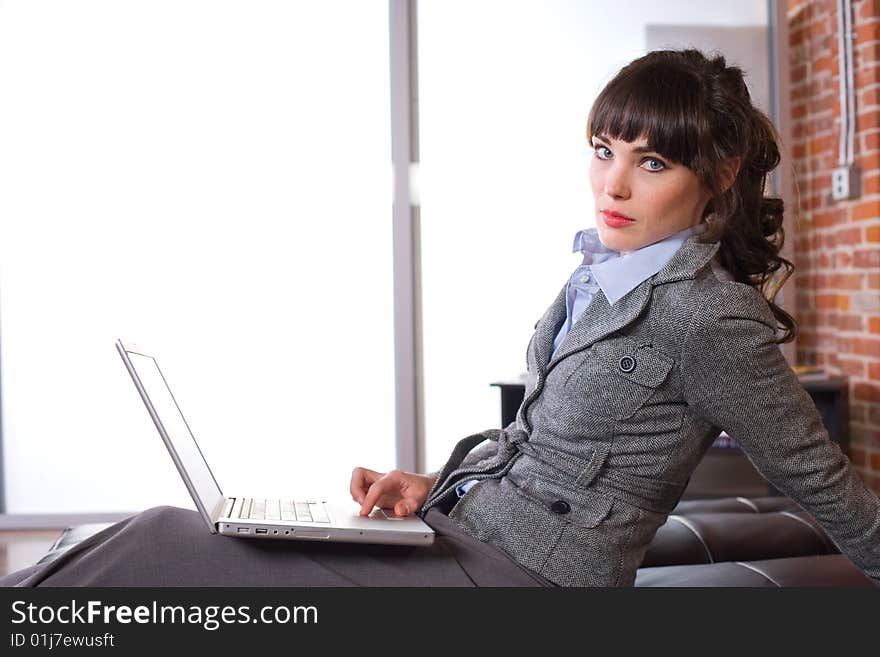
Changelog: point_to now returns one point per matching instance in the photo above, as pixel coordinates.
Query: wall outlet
(845, 183)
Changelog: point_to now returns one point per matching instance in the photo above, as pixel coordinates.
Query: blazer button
(561, 507)
(627, 364)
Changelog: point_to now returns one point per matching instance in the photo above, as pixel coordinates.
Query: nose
(617, 181)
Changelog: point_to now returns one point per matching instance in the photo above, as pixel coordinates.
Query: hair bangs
(656, 102)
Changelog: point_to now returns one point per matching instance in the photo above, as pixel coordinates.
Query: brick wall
(837, 243)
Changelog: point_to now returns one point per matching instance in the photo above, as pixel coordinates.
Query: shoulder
(708, 296)
(716, 296)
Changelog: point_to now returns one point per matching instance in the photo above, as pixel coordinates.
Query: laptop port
(261, 530)
(243, 530)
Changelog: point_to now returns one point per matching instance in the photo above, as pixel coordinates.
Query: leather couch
(725, 542)
(752, 542)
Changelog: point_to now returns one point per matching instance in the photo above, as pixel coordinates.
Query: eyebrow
(637, 149)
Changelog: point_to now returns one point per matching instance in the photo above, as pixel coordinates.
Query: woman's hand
(404, 491)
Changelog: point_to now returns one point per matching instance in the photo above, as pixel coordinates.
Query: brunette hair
(696, 111)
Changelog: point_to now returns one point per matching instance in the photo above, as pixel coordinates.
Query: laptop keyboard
(277, 509)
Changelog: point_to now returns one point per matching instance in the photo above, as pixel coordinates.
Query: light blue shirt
(616, 275)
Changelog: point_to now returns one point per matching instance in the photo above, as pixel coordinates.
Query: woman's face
(660, 197)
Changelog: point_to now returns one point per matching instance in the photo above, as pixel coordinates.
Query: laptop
(298, 517)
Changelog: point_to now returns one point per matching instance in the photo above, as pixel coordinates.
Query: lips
(615, 219)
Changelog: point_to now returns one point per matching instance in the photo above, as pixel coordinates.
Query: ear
(728, 172)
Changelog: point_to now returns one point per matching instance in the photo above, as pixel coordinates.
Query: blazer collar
(601, 318)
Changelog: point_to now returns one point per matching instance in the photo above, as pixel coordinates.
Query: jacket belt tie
(443, 490)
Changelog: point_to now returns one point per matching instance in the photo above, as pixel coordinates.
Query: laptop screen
(170, 422)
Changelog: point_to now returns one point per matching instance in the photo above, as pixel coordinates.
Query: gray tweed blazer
(612, 427)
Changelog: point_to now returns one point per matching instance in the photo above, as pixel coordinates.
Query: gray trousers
(169, 546)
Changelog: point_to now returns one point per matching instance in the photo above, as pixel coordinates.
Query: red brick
(818, 28)
(874, 280)
(872, 233)
(806, 320)
(867, 32)
(866, 77)
(866, 210)
(844, 344)
(826, 301)
(845, 281)
(871, 183)
(850, 322)
(820, 144)
(874, 371)
(866, 347)
(826, 341)
(875, 460)
(868, 119)
(820, 179)
(867, 9)
(869, 52)
(865, 162)
(868, 258)
(805, 300)
(825, 219)
(872, 139)
(851, 367)
(821, 123)
(825, 63)
(832, 365)
(866, 391)
(848, 236)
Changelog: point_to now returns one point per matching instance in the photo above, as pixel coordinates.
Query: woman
(659, 340)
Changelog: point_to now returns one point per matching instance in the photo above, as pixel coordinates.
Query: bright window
(210, 178)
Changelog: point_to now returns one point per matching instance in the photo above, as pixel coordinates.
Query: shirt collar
(618, 275)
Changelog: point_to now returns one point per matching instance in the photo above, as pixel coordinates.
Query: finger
(356, 485)
(361, 479)
(376, 490)
(408, 505)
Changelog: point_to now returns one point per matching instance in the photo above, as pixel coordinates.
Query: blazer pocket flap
(641, 364)
(581, 469)
(584, 508)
